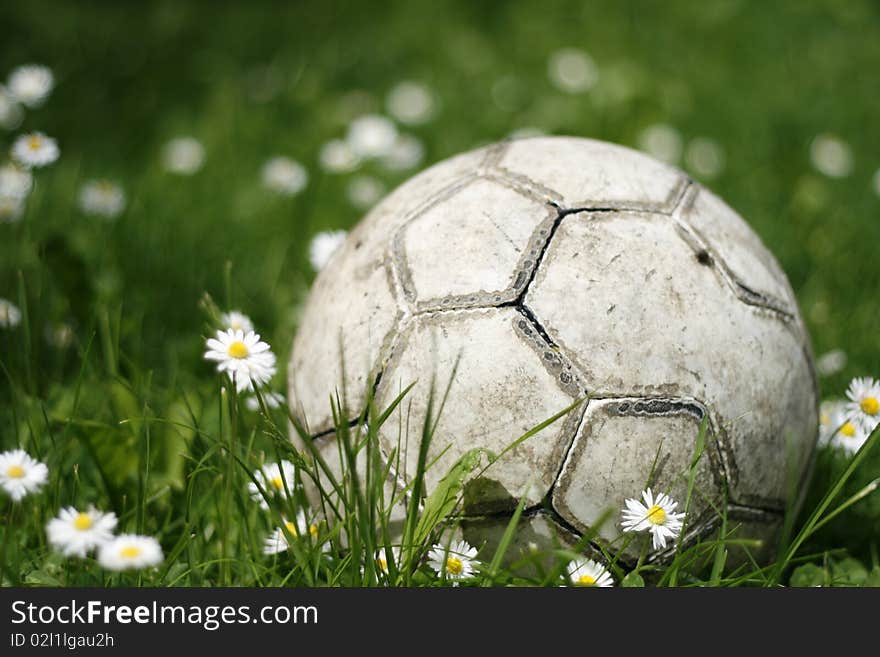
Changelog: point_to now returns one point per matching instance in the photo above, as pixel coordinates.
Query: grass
(130, 418)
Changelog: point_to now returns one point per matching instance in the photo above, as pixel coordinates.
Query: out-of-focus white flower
(586, 572)
(276, 480)
(656, 515)
(572, 70)
(278, 542)
(237, 321)
(130, 552)
(74, 533)
(35, 150)
(406, 153)
(15, 181)
(661, 141)
(831, 156)
(102, 198)
(456, 563)
(183, 155)
(10, 315)
(20, 474)
(371, 136)
(336, 156)
(831, 363)
(323, 246)
(59, 335)
(285, 176)
(411, 103)
(271, 399)
(705, 157)
(364, 191)
(832, 415)
(11, 113)
(11, 209)
(31, 84)
(243, 356)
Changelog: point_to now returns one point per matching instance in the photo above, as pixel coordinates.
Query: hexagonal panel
(476, 247)
(501, 391)
(586, 173)
(739, 247)
(627, 300)
(351, 310)
(611, 459)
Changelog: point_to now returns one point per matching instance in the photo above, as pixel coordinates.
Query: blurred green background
(756, 81)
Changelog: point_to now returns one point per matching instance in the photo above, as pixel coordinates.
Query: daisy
(661, 141)
(11, 209)
(276, 480)
(74, 533)
(364, 191)
(586, 572)
(458, 562)
(831, 362)
(237, 321)
(831, 156)
(130, 551)
(406, 153)
(278, 542)
(35, 150)
(383, 558)
(102, 198)
(657, 516)
(10, 315)
(15, 182)
(271, 399)
(285, 176)
(337, 157)
(832, 415)
(371, 136)
(323, 246)
(850, 436)
(705, 157)
(31, 84)
(11, 114)
(411, 103)
(243, 356)
(183, 156)
(572, 71)
(20, 474)
(864, 403)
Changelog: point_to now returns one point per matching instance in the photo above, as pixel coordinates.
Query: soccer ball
(553, 269)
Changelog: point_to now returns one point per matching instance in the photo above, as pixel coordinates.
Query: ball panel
(586, 173)
(611, 459)
(500, 391)
(352, 305)
(486, 230)
(664, 323)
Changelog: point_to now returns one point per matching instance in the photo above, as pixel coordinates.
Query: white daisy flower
(35, 150)
(364, 191)
(20, 474)
(285, 176)
(586, 572)
(831, 362)
(15, 181)
(10, 315)
(657, 516)
(832, 156)
(183, 156)
(11, 113)
(237, 321)
(102, 198)
(74, 533)
(31, 84)
(705, 157)
(661, 141)
(130, 551)
(11, 209)
(864, 403)
(383, 559)
(276, 480)
(271, 399)
(406, 153)
(243, 356)
(371, 136)
(336, 156)
(572, 71)
(458, 562)
(278, 542)
(323, 246)
(411, 103)
(850, 435)
(832, 415)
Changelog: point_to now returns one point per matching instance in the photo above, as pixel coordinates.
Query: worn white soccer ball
(553, 269)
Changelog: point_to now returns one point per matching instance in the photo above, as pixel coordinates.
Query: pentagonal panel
(740, 250)
(625, 445)
(501, 390)
(584, 173)
(351, 310)
(625, 297)
(476, 247)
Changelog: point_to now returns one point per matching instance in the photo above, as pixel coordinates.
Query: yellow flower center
(382, 564)
(848, 430)
(15, 472)
(586, 580)
(82, 522)
(313, 530)
(277, 482)
(34, 142)
(238, 349)
(870, 406)
(291, 527)
(130, 551)
(454, 566)
(656, 515)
